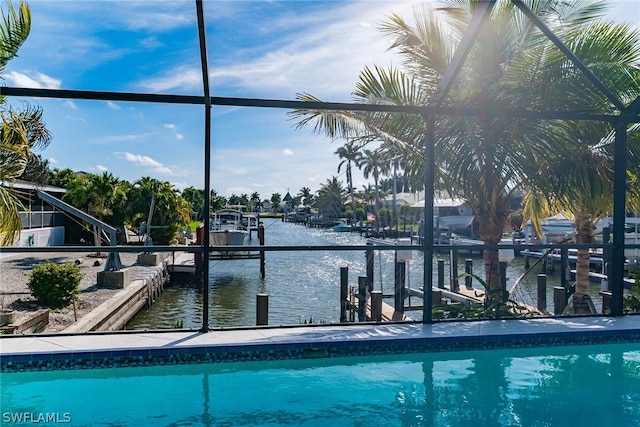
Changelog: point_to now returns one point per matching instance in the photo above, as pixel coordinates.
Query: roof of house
(26, 185)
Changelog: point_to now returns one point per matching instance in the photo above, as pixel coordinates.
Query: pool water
(553, 386)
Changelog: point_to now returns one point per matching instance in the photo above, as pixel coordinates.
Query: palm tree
(276, 198)
(373, 164)
(170, 212)
(21, 130)
(510, 66)
(584, 191)
(330, 198)
(306, 196)
(195, 197)
(254, 201)
(96, 195)
(350, 154)
(368, 194)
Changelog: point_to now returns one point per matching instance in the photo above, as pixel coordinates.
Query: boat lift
(113, 262)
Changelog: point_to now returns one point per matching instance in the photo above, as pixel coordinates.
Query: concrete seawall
(114, 313)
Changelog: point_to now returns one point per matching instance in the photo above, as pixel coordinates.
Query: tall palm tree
(368, 194)
(330, 198)
(254, 201)
(21, 131)
(372, 164)
(306, 195)
(350, 154)
(510, 66)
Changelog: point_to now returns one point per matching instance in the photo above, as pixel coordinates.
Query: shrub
(55, 285)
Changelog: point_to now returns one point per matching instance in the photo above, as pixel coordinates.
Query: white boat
(451, 214)
(631, 235)
(342, 226)
(251, 222)
(555, 229)
(227, 229)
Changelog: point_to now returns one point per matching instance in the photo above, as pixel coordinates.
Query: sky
(256, 49)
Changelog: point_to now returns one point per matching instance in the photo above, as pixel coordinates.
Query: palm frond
(14, 30)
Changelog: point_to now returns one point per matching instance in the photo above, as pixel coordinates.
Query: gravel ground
(14, 293)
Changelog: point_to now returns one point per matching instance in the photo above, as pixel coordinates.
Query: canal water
(304, 286)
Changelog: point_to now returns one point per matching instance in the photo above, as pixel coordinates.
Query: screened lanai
(441, 110)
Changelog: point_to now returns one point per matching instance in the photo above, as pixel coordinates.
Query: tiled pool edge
(304, 348)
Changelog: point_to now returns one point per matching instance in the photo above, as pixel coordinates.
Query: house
(42, 223)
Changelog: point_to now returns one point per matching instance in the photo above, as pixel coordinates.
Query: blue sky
(257, 49)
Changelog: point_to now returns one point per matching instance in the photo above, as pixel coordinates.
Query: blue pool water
(555, 386)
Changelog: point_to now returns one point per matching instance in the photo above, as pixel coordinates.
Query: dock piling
(542, 292)
(559, 300)
(468, 269)
(344, 289)
(453, 274)
(441, 273)
(262, 309)
(399, 286)
(376, 306)
(362, 295)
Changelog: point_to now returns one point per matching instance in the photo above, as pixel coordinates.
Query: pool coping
(145, 348)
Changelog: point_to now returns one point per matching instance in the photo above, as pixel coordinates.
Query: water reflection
(554, 386)
(301, 285)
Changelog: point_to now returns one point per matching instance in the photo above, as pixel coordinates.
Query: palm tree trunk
(584, 235)
(491, 234)
(353, 200)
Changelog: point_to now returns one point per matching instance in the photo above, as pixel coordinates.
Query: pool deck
(23, 352)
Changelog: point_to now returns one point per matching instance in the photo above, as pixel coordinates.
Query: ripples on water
(302, 286)
(585, 385)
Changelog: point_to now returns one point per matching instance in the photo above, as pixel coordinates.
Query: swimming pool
(585, 385)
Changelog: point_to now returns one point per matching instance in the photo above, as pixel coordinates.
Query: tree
(62, 177)
(372, 164)
(195, 198)
(306, 196)
(584, 191)
(37, 170)
(331, 198)
(254, 202)
(350, 154)
(217, 201)
(276, 198)
(170, 214)
(97, 195)
(510, 66)
(22, 130)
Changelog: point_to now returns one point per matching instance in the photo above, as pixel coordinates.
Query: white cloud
(122, 138)
(170, 126)
(112, 105)
(70, 104)
(145, 161)
(179, 136)
(102, 168)
(52, 160)
(34, 80)
(182, 78)
(321, 53)
(287, 152)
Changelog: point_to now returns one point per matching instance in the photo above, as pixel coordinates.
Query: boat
(342, 226)
(452, 214)
(227, 229)
(555, 229)
(250, 221)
